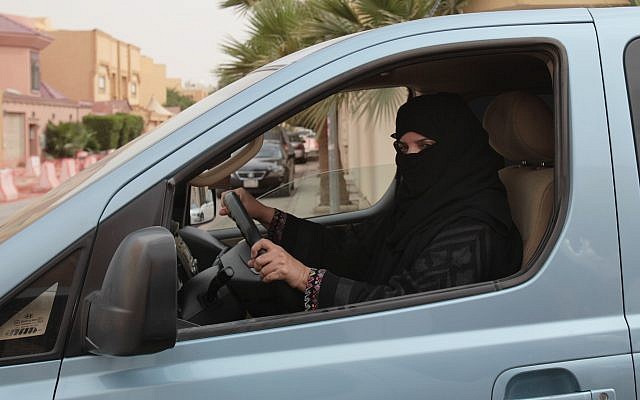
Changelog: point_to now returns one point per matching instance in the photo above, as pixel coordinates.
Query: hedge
(67, 138)
(132, 126)
(107, 129)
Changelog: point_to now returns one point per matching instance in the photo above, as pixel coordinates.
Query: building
(154, 81)
(27, 103)
(92, 66)
(194, 92)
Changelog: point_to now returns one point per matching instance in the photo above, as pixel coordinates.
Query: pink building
(27, 103)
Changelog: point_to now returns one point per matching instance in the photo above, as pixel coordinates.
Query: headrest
(520, 127)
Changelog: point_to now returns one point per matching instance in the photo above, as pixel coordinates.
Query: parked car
(270, 169)
(89, 303)
(311, 146)
(297, 143)
(279, 134)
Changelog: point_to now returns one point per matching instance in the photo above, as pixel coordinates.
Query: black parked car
(269, 169)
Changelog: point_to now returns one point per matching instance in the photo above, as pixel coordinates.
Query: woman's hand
(275, 264)
(254, 208)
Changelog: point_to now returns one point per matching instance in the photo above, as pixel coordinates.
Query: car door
(558, 328)
(619, 36)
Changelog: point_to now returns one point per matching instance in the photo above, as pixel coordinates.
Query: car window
(632, 67)
(269, 151)
(299, 180)
(30, 321)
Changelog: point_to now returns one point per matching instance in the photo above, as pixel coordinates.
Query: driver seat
(521, 129)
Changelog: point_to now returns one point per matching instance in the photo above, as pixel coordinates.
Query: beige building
(92, 66)
(154, 81)
(195, 93)
(174, 83)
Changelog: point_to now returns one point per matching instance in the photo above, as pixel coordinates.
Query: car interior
(515, 92)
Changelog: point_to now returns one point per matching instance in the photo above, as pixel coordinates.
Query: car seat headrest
(520, 127)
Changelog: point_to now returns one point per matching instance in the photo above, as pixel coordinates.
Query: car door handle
(606, 394)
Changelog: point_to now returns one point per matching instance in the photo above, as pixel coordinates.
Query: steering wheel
(239, 214)
(233, 284)
(288, 297)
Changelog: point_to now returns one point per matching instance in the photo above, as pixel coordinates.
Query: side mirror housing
(135, 310)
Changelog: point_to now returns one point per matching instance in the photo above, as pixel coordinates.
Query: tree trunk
(323, 164)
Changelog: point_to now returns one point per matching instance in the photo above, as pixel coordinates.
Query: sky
(185, 35)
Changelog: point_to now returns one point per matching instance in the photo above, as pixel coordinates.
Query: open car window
(300, 183)
(291, 171)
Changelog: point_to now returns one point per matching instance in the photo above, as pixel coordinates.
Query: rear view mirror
(135, 310)
(202, 206)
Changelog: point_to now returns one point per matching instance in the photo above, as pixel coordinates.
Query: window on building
(35, 71)
(102, 83)
(134, 88)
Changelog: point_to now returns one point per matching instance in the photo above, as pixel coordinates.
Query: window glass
(295, 170)
(30, 321)
(35, 71)
(632, 67)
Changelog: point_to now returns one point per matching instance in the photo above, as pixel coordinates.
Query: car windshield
(295, 138)
(271, 152)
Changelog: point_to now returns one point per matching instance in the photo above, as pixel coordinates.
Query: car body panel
(571, 309)
(29, 381)
(616, 28)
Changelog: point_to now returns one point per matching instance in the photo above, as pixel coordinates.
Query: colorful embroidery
(276, 227)
(312, 290)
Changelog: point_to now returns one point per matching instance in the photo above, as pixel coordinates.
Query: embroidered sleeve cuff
(312, 290)
(276, 226)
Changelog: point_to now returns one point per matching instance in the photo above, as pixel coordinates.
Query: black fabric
(455, 180)
(465, 251)
(462, 253)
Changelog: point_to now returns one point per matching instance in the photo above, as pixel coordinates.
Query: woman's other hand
(275, 264)
(254, 208)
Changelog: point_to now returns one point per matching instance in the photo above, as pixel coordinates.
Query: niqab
(456, 178)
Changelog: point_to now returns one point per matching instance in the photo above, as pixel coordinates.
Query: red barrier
(8, 190)
(89, 160)
(33, 166)
(68, 169)
(48, 178)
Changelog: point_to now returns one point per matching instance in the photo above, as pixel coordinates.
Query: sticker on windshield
(31, 320)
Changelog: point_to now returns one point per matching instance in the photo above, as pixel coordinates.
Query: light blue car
(96, 303)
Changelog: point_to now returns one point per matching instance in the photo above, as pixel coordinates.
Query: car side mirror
(202, 207)
(135, 311)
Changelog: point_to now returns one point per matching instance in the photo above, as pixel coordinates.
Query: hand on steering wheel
(275, 264)
(254, 208)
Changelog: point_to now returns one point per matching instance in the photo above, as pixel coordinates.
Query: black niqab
(456, 178)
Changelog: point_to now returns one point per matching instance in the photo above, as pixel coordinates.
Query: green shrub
(107, 129)
(132, 127)
(66, 139)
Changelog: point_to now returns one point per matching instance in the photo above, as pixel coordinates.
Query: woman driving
(449, 224)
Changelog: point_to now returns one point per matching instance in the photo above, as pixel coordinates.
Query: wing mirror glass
(202, 206)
